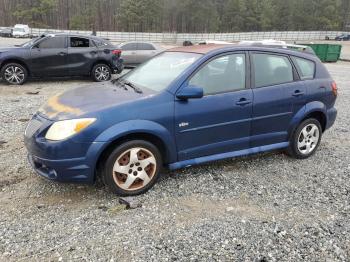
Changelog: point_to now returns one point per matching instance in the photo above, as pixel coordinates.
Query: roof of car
(204, 49)
(200, 49)
(68, 34)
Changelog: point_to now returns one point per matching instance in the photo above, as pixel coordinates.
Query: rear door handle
(298, 93)
(62, 53)
(93, 52)
(243, 101)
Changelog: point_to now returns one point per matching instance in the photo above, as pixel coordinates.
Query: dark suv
(343, 37)
(60, 55)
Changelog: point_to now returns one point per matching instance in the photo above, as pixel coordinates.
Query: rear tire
(305, 139)
(101, 73)
(14, 74)
(132, 168)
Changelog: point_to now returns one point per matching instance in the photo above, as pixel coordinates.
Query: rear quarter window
(306, 68)
(102, 43)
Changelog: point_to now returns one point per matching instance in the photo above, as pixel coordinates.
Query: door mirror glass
(190, 92)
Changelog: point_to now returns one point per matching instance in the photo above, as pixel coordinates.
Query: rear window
(306, 68)
(271, 70)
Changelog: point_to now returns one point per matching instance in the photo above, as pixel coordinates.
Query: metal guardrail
(179, 38)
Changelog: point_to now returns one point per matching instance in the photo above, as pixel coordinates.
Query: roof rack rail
(279, 44)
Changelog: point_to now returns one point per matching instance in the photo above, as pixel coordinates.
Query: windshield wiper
(136, 89)
(118, 83)
(123, 83)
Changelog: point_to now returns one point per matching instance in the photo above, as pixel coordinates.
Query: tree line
(182, 16)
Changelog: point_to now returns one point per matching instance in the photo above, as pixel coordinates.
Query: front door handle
(243, 101)
(298, 93)
(62, 53)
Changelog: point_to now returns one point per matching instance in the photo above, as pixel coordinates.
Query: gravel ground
(266, 207)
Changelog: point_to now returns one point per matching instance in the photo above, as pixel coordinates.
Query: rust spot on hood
(54, 108)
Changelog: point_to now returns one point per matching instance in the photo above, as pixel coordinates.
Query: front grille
(32, 127)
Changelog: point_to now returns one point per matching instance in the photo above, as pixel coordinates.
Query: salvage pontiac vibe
(185, 106)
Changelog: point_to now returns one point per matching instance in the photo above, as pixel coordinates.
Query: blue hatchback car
(186, 106)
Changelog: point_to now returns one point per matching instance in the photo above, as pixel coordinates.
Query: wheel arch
(100, 61)
(315, 110)
(320, 116)
(137, 130)
(17, 61)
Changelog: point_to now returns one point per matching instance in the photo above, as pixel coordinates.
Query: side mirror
(189, 92)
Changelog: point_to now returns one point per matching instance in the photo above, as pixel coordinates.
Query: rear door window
(53, 42)
(129, 47)
(145, 46)
(306, 68)
(77, 42)
(270, 69)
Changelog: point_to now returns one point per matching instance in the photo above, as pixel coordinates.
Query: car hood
(10, 48)
(82, 101)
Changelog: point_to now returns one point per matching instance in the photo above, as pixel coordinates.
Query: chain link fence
(175, 38)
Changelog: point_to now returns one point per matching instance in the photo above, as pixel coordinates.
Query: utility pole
(346, 15)
(67, 15)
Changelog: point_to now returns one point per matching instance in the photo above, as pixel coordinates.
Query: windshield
(160, 71)
(18, 29)
(31, 42)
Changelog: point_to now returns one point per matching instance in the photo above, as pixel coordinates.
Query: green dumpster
(326, 52)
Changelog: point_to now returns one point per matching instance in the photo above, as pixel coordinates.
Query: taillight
(117, 52)
(334, 89)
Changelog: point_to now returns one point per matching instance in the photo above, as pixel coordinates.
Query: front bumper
(64, 170)
(63, 161)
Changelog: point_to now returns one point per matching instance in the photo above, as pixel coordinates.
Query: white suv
(21, 31)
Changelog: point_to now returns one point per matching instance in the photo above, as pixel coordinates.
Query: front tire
(306, 139)
(14, 74)
(101, 73)
(132, 168)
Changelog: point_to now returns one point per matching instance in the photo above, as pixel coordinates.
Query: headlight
(63, 129)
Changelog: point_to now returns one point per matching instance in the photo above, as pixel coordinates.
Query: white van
(21, 31)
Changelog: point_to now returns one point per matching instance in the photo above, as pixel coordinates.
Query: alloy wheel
(134, 169)
(14, 75)
(308, 139)
(102, 73)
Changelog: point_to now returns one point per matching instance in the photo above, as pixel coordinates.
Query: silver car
(135, 53)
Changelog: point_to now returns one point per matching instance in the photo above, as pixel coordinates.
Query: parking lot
(266, 207)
